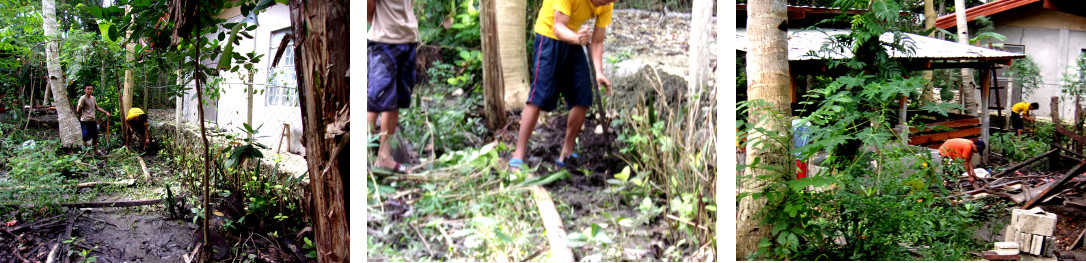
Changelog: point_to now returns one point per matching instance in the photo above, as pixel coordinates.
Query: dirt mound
(596, 151)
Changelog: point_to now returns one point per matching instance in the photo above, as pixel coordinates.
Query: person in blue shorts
(392, 39)
(560, 68)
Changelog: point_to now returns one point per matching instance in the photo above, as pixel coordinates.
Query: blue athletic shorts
(90, 130)
(559, 68)
(391, 76)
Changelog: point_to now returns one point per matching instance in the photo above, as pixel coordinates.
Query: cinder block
(1006, 248)
(1009, 233)
(1048, 250)
(1038, 245)
(1034, 221)
(1024, 241)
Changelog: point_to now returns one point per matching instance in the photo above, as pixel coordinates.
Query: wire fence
(276, 114)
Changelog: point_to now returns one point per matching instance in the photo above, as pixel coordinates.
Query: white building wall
(1054, 51)
(232, 106)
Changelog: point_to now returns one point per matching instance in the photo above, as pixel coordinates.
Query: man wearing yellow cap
(137, 125)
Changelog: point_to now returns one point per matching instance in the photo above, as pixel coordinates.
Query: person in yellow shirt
(1021, 111)
(560, 68)
(137, 125)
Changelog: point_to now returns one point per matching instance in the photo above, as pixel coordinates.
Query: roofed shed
(929, 53)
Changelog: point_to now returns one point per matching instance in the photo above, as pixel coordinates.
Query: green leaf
(624, 175)
(224, 60)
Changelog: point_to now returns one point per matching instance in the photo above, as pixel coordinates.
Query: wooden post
(984, 124)
(1055, 122)
(493, 81)
(902, 124)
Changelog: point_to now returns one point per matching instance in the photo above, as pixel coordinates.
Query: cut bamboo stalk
(80, 185)
(552, 222)
(146, 175)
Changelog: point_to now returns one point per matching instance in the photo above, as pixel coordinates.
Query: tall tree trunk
(70, 133)
(129, 79)
(968, 85)
(511, 20)
(207, 156)
(493, 82)
(929, 22)
(321, 37)
(768, 78)
(701, 20)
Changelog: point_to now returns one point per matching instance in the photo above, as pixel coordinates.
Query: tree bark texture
(929, 22)
(701, 21)
(129, 79)
(768, 78)
(321, 44)
(493, 82)
(968, 85)
(510, 19)
(68, 122)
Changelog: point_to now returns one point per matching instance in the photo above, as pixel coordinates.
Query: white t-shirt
(394, 22)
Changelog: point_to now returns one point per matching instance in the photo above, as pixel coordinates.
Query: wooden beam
(947, 124)
(985, 87)
(924, 139)
(114, 203)
(1024, 163)
(1054, 187)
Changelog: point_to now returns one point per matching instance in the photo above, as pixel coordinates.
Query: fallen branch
(35, 224)
(424, 242)
(52, 254)
(114, 203)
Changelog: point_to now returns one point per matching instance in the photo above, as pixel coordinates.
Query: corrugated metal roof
(802, 42)
(988, 9)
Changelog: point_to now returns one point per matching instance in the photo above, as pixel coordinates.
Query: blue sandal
(563, 164)
(516, 163)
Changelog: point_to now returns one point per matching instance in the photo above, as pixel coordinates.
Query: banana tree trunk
(68, 122)
(321, 37)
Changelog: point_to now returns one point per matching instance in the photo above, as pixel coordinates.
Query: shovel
(596, 91)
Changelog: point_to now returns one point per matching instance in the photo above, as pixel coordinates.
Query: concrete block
(1006, 248)
(1048, 250)
(1038, 245)
(1024, 241)
(1034, 221)
(1009, 233)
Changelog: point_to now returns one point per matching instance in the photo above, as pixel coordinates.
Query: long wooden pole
(203, 136)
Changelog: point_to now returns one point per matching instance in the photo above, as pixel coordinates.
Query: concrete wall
(232, 106)
(1053, 40)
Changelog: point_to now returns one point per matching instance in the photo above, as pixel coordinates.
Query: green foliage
(1074, 81)
(873, 199)
(448, 23)
(1026, 75)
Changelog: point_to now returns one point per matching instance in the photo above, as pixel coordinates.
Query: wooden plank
(113, 203)
(1055, 187)
(947, 124)
(991, 255)
(923, 139)
(1024, 163)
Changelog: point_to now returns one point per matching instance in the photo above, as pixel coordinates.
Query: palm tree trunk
(929, 22)
(768, 79)
(968, 85)
(70, 133)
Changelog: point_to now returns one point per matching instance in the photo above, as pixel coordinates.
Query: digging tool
(596, 91)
